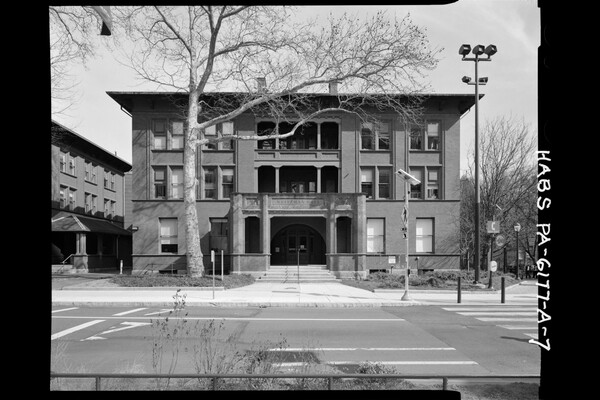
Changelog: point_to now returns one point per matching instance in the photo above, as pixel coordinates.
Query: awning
(64, 222)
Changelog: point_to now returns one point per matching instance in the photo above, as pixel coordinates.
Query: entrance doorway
(297, 242)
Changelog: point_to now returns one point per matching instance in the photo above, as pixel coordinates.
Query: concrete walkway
(271, 294)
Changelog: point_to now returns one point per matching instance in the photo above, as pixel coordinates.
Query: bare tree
(72, 33)
(196, 50)
(508, 182)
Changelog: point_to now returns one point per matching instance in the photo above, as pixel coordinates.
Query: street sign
(493, 227)
(493, 266)
(500, 240)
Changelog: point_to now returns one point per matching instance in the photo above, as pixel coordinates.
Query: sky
(512, 25)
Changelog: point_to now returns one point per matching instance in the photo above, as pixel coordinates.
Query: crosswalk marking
(64, 309)
(129, 312)
(522, 319)
(75, 328)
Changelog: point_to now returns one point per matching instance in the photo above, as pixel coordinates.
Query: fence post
(444, 383)
(214, 383)
(98, 383)
(502, 294)
(458, 287)
(329, 382)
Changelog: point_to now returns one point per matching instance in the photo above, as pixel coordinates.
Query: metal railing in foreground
(329, 378)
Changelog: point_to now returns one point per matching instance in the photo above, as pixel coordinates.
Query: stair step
(295, 273)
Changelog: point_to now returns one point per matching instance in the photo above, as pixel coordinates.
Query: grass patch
(432, 280)
(229, 281)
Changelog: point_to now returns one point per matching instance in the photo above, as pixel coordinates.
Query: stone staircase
(289, 274)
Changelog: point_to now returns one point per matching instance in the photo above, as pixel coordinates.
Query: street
(457, 339)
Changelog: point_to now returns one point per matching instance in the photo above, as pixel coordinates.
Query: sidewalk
(93, 292)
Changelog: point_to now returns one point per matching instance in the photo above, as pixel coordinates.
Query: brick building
(329, 190)
(87, 205)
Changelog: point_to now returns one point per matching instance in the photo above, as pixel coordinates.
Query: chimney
(262, 84)
(333, 87)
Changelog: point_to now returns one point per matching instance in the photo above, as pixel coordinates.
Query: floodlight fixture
(490, 50)
(478, 50)
(466, 79)
(483, 80)
(408, 177)
(464, 50)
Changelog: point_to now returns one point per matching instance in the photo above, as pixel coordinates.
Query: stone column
(277, 179)
(237, 231)
(360, 216)
(318, 179)
(80, 260)
(265, 229)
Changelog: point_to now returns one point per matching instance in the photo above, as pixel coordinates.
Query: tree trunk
(195, 264)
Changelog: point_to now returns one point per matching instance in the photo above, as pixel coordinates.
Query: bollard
(458, 287)
(121, 267)
(502, 294)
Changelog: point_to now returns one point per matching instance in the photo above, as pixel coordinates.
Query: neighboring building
(330, 190)
(87, 205)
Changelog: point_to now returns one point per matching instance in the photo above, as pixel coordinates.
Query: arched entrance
(297, 241)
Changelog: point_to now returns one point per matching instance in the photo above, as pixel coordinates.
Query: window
(383, 136)
(433, 185)
(219, 228)
(227, 182)
(384, 183)
(375, 136)
(112, 207)
(177, 129)
(159, 129)
(210, 184)
(366, 138)
(366, 182)
(168, 235)
(72, 199)
(264, 128)
(424, 235)
(416, 139)
(112, 181)
(91, 203)
(219, 131)
(63, 196)
(88, 171)
(160, 183)
(433, 136)
(106, 179)
(71, 165)
(415, 190)
(63, 162)
(426, 137)
(375, 235)
(177, 183)
(210, 133)
(106, 207)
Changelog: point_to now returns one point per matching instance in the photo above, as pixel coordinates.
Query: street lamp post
(517, 228)
(408, 180)
(477, 51)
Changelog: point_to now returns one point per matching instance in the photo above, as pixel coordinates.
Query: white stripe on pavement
(65, 309)
(364, 349)
(129, 312)
(298, 364)
(514, 313)
(75, 328)
(491, 319)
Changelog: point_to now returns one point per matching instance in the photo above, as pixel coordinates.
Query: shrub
(159, 280)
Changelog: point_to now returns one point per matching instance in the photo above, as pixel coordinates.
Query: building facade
(328, 195)
(87, 205)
